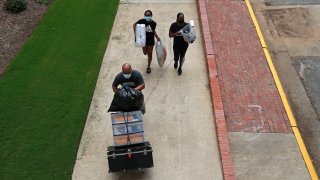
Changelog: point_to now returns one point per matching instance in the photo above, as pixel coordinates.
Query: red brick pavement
(244, 94)
(250, 99)
(222, 134)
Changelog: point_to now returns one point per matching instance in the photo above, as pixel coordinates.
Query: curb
(221, 126)
(284, 99)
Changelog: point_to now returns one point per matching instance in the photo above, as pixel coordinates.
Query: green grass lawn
(46, 92)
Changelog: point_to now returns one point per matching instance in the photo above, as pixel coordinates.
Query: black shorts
(150, 42)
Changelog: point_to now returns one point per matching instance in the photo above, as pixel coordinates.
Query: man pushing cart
(130, 150)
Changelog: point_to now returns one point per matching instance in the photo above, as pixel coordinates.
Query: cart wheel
(141, 170)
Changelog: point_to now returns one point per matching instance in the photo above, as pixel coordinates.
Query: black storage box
(134, 156)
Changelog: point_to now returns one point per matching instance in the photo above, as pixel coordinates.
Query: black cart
(130, 150)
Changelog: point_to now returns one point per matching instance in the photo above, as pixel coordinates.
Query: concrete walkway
(179, 122)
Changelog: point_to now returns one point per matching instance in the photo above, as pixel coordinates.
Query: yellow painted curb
(304, 152)
(285, 102)
(280, 88)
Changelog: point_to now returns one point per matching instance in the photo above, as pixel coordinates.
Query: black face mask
(180, 21)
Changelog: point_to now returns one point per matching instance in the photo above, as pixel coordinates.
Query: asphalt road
(291, 2)
(291, 29)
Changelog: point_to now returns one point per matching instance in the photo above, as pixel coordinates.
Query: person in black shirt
(150, 34)
(131, 78)
(179, 45)
(128, 77)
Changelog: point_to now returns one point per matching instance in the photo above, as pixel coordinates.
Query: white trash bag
(140, 39)
(161, 53)
(188, 32)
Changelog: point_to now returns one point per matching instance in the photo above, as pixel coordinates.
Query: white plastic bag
(161, 53)
(140, 40)
(188, 32)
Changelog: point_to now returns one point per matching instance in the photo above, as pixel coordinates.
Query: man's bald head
(126, 68)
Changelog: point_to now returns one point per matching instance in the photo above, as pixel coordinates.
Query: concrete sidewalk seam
(284, 99)
(221, 129)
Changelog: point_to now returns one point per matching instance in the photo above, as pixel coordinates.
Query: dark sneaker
(148, 70)
(175, 64)
(180, 70)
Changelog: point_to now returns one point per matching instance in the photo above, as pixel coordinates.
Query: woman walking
(150, 34)
(179, 45)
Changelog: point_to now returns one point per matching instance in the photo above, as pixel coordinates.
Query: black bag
(127, 99)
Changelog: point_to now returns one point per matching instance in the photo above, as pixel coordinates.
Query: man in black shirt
(150, 34)
(131, 78)
(128, 77)
(179, 45)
